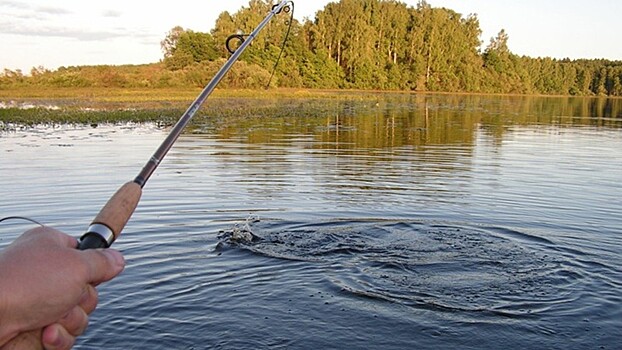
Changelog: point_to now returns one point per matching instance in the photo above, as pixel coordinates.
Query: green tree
(364, 44)
(184, 47)
(497, 53)
(169, 43)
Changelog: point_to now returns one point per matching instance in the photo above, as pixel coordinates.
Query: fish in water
(238, 235)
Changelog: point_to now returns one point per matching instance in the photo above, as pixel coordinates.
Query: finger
(89, 299)
(75, 321)
(102, 264)
(55, 337)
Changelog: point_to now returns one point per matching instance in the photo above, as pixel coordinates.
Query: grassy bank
(90, 95)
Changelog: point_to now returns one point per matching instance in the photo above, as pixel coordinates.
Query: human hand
(47, 288)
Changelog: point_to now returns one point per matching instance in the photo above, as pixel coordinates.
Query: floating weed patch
(165, 106)
(215, 110)
(35, 116)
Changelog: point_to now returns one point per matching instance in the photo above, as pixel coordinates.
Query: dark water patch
(440, 267)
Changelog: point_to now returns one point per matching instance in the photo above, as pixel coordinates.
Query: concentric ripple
(433, 266)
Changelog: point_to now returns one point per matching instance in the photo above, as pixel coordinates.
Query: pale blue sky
(78, 32)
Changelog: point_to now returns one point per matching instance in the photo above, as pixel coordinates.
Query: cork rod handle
(108, 224)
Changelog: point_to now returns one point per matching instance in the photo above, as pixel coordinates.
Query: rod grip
(108, 224)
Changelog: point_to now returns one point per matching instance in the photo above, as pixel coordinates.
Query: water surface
(404, 222)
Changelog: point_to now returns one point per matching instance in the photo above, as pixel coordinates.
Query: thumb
(102, 264)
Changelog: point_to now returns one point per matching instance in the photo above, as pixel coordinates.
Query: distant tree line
(351, 44)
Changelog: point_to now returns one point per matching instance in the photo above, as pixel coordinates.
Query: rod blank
(108, 224)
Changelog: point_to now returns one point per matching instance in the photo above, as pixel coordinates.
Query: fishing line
(111, 219)
(289, 28)
(241, 37)
(21, 218)
(115, 214)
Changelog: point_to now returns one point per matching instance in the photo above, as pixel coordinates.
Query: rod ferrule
(103, 231)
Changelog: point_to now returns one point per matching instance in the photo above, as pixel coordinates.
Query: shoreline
(188, 94)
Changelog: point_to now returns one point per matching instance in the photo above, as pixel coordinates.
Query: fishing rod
(110, 221)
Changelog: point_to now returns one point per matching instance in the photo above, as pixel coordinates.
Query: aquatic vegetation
(41, 115)
(224, 107)
(93, 106)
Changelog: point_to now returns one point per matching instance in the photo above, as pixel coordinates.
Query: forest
(350, 44)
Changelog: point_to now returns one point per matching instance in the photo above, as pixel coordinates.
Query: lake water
(405, 222)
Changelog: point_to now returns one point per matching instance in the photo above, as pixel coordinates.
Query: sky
(37, 33)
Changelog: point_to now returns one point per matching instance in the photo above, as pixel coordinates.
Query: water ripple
(442, 267)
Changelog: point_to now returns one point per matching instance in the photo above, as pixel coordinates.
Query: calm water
(414, 222)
